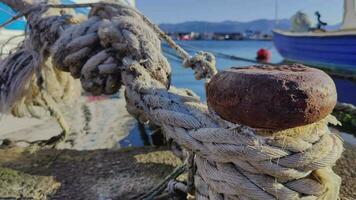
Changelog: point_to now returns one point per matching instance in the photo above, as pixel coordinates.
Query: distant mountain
(333, 27)
(263, 25)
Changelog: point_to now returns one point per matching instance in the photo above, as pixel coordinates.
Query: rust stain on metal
(272, 97)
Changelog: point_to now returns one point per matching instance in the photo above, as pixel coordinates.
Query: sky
(174, 11)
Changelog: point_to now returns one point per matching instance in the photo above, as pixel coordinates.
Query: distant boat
(336, 49)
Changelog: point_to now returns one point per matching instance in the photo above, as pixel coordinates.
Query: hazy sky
(240, 10)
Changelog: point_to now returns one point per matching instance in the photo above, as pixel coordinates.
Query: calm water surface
(184, 78)
(247, 49)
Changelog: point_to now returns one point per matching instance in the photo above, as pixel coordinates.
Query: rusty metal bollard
(271, 97)
(288, 110)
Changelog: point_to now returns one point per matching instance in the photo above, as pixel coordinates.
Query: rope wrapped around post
(117, 46)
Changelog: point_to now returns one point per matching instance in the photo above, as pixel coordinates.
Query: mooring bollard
(292, 157)
(272, 97)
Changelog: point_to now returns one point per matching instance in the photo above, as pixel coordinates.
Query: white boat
(317, 47)
(127, 2)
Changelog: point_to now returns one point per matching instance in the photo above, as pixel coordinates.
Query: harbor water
(247, 49)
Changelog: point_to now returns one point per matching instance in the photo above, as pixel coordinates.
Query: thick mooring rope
(116, 46)
(25, 73)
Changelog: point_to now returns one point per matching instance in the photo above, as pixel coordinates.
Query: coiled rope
(117, 46)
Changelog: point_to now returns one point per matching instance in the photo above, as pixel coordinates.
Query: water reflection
(348, 138)
(137, 137)
(346, 90)
(143, 135)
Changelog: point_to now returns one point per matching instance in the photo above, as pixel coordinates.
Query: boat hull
(324, 50)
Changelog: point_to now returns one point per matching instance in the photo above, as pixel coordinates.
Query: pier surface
(108, 174)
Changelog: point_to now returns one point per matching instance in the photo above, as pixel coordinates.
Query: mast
(132, 3)
(349, 19)
(276, 6)
(126, 2)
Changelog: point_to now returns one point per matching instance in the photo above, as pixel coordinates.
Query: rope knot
(45, 26)
(203, 65)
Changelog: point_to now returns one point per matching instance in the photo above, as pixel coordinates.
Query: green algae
(348, 122)
(15, 184)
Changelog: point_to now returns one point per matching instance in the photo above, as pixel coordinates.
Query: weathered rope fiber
(116, 46)
(28, 71)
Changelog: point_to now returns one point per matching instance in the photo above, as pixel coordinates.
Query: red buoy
(263, 55)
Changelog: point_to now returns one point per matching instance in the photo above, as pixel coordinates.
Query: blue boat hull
(336, 51)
